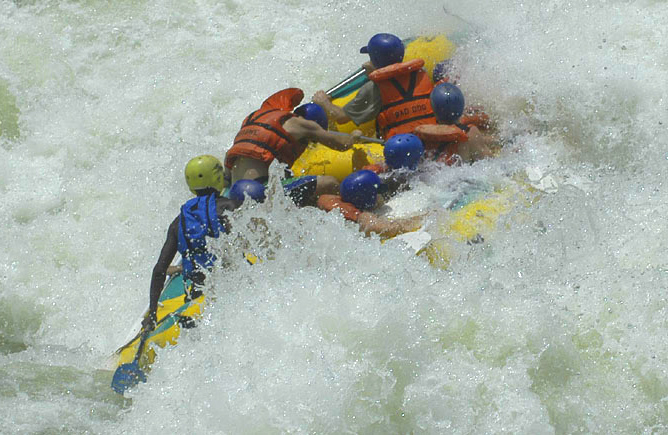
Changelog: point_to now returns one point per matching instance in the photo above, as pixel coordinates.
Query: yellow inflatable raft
(474, 219)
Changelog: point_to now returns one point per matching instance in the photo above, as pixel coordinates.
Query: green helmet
(204, 172)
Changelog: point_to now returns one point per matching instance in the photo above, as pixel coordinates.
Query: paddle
(129, 374)
(349, 84)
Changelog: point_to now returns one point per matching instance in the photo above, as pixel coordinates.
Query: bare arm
(167, 254)
(477, 146)
(172, 270)
(300, 129)
(333, 111)
(372, 223)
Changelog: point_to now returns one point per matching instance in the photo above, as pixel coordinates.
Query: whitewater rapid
(556, 323)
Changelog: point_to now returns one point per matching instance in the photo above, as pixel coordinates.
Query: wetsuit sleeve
(167, 254)
(366, 105)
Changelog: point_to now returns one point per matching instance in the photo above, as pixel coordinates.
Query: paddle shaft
(364, 138)
(140, 348)
(353, 76)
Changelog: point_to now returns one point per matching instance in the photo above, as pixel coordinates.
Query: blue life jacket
(197, 221)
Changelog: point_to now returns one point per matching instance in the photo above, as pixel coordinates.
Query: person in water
(275, 132)
(361, 193)
(200, 217)
(397, 95)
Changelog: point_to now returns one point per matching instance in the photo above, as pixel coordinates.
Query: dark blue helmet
(403, 151)
(361, 189)
(313, 112)
(252, 188)
(447, 101)
(384, 49)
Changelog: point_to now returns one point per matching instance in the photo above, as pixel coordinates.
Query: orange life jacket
(404, 91)
(378, 168)
(441, 141)
(330, 202)
(262, 136)
(475, 116)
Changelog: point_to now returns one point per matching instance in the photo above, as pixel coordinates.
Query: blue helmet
(361, 189)
(447, 101)
(403, 151)
(313, 112)
(252, 188)
(384, 49)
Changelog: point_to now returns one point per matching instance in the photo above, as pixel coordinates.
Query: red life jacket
(404, 91)
(330, 202)
(441, 141)
(262, 136)
(378, 168)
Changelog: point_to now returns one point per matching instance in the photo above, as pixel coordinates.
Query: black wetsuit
(170, 248)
